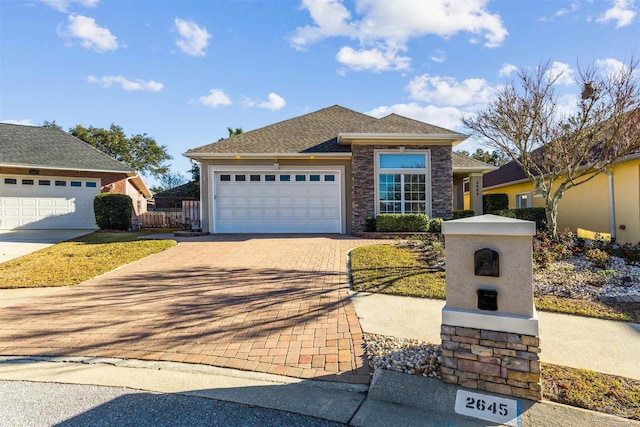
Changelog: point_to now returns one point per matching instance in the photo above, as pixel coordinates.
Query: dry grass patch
(74, 261)
(592, 390)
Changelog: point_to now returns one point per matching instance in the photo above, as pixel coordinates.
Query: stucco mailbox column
(490, 338)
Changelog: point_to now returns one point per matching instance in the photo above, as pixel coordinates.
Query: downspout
(612, 208)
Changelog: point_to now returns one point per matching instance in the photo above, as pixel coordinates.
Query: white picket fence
(189, 218)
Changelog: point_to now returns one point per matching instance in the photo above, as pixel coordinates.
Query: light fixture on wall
(276, 165)
(401, 148)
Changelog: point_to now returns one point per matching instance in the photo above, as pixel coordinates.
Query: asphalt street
(49, 404)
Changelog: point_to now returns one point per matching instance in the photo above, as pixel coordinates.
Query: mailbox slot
(487, 263)
(487, 299)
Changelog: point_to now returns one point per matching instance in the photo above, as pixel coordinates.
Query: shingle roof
(49, 147)
(316, 132)
(506, 173)
(462, 161)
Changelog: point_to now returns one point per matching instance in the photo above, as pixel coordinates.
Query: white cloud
(561, 12)
(610, 66)
(372, 59)
(384, 28)
(63, 5)
(192, 39)
(438, 56)
(447, 117)
(622, 12)
(448, 91)
(25, 122)
(128, 85)
(90, 34)
(216, 98)
(275, 102)
(562, 72)
(507, 69)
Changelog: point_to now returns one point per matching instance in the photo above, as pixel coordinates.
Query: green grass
(72, 262)
(395, 270)
(592, 390)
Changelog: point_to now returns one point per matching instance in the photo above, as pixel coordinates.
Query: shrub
(598, 257)
(113, 211)
(463, 213)
(495, 202)
(402, 222)
(435, 225)
(542, 249)
(369, 224)
(529, 214)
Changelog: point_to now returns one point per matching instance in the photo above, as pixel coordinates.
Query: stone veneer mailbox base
(493, 361)
(490, 333)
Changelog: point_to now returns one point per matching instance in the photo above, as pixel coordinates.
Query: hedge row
(530, 214)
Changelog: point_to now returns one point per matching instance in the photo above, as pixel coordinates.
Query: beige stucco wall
(205, 185)
(514, 286)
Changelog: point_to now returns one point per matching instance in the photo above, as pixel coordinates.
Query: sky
(184, 71)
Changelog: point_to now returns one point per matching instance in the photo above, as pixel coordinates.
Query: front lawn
(408, 270)
(72, 262)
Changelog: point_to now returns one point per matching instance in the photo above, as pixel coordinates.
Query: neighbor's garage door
(41, 203)
(282, 202)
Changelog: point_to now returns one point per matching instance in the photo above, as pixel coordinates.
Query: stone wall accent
(363, 181)
(497, 362)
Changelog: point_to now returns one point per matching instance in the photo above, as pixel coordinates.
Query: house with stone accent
(49, 178)
(327, 171)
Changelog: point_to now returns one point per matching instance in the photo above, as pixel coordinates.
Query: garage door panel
(39, 206)
(300, 205)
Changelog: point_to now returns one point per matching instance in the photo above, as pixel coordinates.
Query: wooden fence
(189, 217)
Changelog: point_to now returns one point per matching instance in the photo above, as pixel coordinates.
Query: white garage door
(282, 202)
(41, 203)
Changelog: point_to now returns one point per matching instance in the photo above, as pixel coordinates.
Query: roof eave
(474, 169)
(372, 138)
(36, 166)
(204, 156)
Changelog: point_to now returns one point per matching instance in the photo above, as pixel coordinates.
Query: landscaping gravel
(577, 277)
(404, 355)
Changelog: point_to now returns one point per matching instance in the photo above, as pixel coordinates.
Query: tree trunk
(551, 211)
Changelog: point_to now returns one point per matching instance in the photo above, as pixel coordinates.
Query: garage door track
(275, 304)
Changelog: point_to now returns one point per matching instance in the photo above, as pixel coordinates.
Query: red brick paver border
(275, 304)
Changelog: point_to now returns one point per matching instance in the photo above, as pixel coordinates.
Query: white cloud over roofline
(89, 34)
(126, 84)
(622, 12)
(192, 39)
(215, 98)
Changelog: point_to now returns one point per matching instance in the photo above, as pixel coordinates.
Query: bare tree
(562, 148)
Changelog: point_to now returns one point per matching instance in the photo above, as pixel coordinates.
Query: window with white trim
(402, 180)
(523, 200)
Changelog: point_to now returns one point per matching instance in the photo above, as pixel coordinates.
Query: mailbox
(487, 299)
(487, 263)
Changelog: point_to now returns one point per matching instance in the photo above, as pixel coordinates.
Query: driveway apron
(275, 304)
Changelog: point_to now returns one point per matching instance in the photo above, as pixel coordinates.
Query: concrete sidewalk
(16, 243)
(578, 342)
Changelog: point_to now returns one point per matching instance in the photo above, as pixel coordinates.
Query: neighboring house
(608, 204)
(49, 178)
(329, 170)
(172, 198)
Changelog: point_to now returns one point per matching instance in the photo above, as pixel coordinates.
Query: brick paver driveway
(274, 304)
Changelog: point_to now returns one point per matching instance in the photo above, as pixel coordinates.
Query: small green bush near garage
(83, 258)
(113, 211)
(402, 223)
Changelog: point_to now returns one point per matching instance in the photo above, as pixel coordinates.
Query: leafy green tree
(169, 180)
(141, 152)
(495, 157)
(234, 132)
(53, 124)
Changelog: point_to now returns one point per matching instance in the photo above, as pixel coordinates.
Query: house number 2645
(488, 407)
(481, 405)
